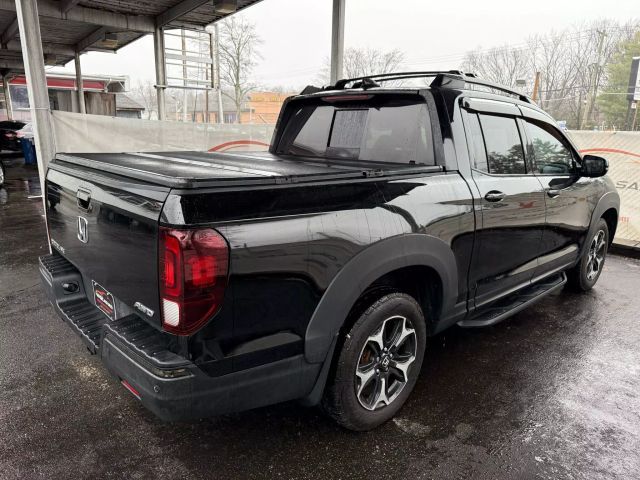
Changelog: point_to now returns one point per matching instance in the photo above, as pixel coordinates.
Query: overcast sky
(432, 34)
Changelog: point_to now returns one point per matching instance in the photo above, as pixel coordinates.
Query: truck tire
(585, 274)
(378, 365)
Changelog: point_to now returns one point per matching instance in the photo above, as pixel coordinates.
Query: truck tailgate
(107, 227)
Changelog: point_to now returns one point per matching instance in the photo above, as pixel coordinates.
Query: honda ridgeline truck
(386, 210)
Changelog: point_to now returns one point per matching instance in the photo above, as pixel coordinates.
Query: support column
(31, 44)
(80, 85)
(7, 97)
(161, 72)
(337, 41)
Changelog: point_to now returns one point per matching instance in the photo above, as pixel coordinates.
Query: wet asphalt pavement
(553, 392)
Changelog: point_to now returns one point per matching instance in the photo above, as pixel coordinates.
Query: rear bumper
(171, 386)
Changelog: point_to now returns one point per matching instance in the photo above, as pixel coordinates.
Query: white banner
(622, 149)
(78, 133)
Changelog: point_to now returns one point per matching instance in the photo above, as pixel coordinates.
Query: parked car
(8, 135)
(211, 282)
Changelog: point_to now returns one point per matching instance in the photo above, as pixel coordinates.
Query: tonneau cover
(202, 169)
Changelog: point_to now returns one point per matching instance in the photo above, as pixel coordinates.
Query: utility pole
(536, 87)
(218, 83)
(580, 110)
(595, 79)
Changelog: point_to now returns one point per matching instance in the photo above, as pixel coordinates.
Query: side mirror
(594, 167)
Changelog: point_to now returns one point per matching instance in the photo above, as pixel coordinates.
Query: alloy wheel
(597, 251)
(383, 365)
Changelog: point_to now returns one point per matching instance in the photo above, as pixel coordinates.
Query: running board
(516, 302)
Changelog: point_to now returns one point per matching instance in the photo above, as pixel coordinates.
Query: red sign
(65, 83)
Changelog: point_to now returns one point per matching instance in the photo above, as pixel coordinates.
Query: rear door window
(392, 130)
(505, 154)
(478, 150)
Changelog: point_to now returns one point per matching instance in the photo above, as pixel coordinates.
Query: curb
(627, 249)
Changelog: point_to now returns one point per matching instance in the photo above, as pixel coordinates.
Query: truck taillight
(193, 276)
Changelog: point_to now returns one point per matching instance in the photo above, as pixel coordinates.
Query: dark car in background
(9, 139)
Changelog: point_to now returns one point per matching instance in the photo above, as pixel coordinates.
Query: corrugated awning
(71, 26)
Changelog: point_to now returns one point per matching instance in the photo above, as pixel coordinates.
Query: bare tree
(571, 65)
(145, 93)
(238, 54)
(500, 65)
(361, 62)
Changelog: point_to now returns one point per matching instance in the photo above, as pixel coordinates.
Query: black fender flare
(365, 268)
(608, 201)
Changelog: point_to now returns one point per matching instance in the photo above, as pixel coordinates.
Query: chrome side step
(515, 303)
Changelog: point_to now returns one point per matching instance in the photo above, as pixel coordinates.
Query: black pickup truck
(381, 215)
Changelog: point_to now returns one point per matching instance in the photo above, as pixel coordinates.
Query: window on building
(230, 117)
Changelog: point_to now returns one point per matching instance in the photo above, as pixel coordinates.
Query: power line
(528, 45)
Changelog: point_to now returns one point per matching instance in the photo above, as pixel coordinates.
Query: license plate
(104, 300)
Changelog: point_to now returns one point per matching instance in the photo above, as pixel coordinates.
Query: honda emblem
(83, 230)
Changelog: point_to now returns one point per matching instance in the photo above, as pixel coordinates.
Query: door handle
(494, 196)
(83, 197)
(553, 193)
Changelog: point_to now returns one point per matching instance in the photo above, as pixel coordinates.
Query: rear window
(392, 130)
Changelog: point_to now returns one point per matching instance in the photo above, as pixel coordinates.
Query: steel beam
(67, 5)
(11, 64)
(177, 11)
(93, 37)
(102, 18)
(33, 59)
(101, 50)
(79, 84)
(337, 41)
(49, 48)
(10, 32)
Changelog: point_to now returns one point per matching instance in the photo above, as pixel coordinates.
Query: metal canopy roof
(70, 26)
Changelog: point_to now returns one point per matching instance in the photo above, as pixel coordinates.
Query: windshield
(387, 129)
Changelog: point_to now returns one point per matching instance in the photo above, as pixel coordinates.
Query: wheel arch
(393, 262)
(611, 217)
(608, 207)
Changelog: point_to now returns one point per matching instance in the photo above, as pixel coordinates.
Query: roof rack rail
(496, 86)
(341, 84)
(443, 79)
